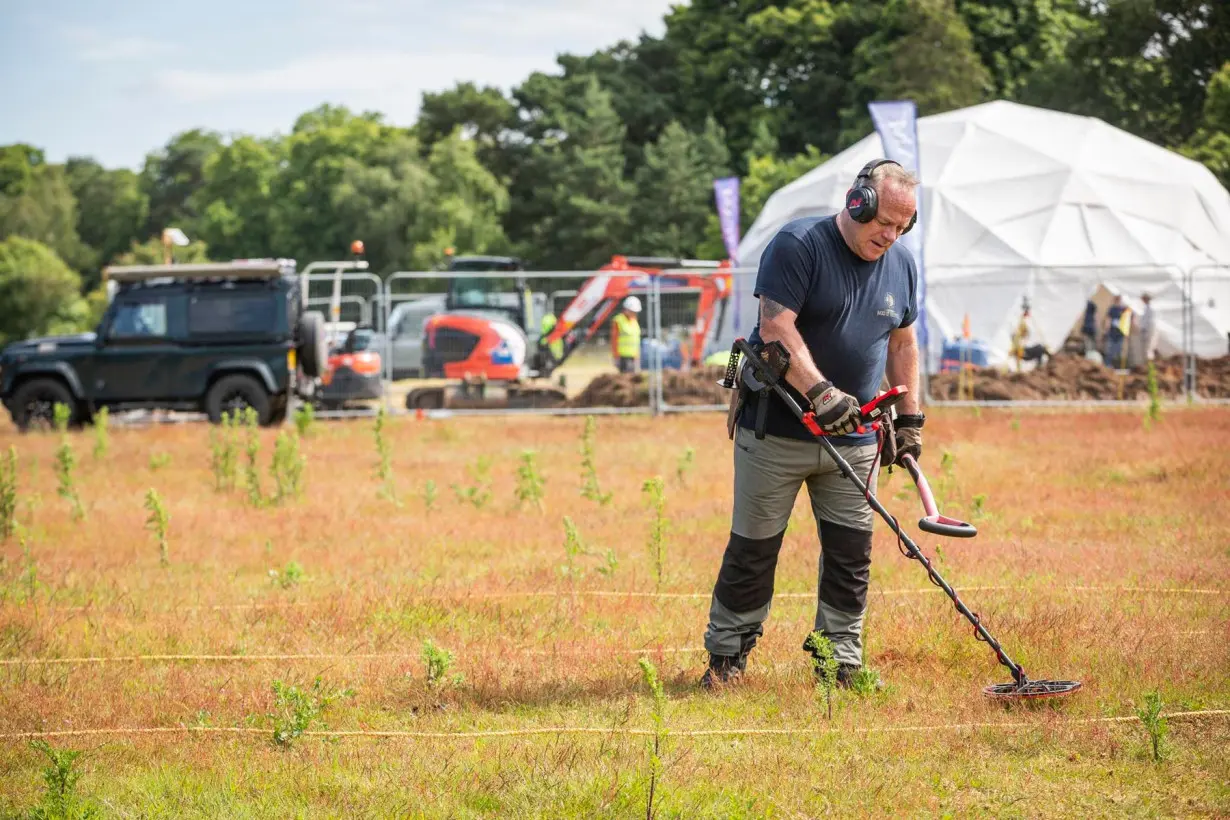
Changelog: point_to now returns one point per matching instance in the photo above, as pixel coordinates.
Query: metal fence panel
(349, 300)
(1019, 334)
(695, 323)
(689, 318)
(1208, 338)
(511, 341)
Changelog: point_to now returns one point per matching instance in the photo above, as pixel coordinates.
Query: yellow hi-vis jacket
(628, 340)
(557, 347)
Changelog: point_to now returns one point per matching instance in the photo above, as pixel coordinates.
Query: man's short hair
(895, 172)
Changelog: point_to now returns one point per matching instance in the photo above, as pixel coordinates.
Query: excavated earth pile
(1071, 377)
(692, 388)
(1064, 377)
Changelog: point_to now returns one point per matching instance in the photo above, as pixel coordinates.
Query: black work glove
(909, 436)
(888, 441)
(837, 413)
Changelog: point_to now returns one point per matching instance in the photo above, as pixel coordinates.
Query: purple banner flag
(896, 122)
(726, 191)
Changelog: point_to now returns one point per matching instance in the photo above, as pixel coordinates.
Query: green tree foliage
(234, 199)
(740, 70)
(17, 164)
(39, 292)
(766, 173)
(643, 81)
(1014, 38)
(111, 211)
(1140, 65)
(484, 116)
(677, 178)
(584, 197)
(921, 50)
(409, 210)
(172, 175)
(464, 209)
(615, 151)
(314, 164)
(1211, 142)
(36, 202)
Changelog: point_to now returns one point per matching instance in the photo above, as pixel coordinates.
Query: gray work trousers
(768, 476)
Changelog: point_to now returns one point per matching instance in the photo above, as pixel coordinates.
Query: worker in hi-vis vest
(626, 336)
(557, 347)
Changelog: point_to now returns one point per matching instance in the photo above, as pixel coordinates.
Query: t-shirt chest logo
(888, 308)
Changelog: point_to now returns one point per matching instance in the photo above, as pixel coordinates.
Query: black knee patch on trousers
(847, 567)
(745, 581)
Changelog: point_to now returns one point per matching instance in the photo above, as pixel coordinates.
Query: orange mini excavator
(492, 353)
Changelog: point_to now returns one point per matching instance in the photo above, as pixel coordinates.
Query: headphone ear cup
(913, 222)
(861, 203)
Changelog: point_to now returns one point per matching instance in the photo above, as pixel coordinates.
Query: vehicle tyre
(278, 413)
(232, 394)
(33, 404)
(313, 350)
(425, 398)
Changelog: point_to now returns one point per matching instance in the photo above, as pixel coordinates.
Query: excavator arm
(601, 296)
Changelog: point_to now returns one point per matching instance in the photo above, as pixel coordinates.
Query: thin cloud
(97, 46)
(363, 73)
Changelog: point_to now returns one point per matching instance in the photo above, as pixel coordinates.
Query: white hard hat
(633, 304)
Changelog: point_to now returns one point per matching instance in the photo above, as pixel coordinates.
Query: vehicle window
(358, 341)
(415, 315)
(254, 313)
(135, 320)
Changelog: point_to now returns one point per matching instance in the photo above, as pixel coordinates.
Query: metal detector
(763, 371)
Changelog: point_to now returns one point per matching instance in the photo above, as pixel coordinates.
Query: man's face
(872, 239)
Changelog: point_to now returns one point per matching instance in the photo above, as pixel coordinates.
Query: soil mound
(1070, 377)
(1065, 376)
(692, 388)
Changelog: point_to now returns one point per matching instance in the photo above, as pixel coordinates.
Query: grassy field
(1103, 555)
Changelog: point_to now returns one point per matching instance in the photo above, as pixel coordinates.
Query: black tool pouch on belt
(758, 378)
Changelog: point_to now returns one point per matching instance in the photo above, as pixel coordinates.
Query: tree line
(616, 151)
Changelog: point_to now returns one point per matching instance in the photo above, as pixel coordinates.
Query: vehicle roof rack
(235, 269)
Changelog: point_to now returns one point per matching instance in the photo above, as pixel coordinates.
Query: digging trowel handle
(933, 522)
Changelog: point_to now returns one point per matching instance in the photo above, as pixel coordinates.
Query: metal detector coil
(770, 377)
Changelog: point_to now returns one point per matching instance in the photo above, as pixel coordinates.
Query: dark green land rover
(209, 338)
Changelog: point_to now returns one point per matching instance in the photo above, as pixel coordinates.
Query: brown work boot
(723, 670)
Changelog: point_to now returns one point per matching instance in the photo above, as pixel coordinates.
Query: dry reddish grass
(1096, 539)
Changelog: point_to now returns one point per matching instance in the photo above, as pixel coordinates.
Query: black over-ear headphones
(862, 203)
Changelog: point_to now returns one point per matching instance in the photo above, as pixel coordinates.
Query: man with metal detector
(840, 297)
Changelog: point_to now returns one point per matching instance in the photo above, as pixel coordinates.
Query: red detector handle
(871, 412)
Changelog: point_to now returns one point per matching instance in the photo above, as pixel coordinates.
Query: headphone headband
(862, 202)
(870, 167)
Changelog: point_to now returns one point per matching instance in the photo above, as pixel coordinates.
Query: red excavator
(492, 353)
(598, 300)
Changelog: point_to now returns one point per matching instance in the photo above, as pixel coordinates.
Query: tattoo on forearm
(770, 309)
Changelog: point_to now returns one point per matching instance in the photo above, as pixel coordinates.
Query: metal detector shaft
(1018, 674)
(774, 381)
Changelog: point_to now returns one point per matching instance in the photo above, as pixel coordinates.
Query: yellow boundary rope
(593, 730)
(315, 656)
(361, 656)
(462, 595)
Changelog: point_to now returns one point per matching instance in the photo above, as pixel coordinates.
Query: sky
(115, 79)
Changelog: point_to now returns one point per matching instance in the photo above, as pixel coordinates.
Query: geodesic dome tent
(1025, 203)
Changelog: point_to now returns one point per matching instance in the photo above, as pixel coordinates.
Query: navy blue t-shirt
(846, 307)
